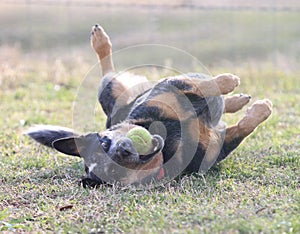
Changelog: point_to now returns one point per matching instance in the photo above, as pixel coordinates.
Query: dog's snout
(124, 147)
(123, 152)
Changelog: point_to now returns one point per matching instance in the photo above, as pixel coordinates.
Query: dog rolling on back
(182, 113)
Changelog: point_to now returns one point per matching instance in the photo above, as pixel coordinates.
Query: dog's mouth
(157, 145)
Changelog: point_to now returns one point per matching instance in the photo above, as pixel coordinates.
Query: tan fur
(256, 114)
(199, 131)
(212, 151)
(210, 140)
(235, 102)
(142, 171)
(102, 45)
(221, 84)
(169, 106)
(120, 131)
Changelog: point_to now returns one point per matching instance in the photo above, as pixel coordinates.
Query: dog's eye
(105, 143)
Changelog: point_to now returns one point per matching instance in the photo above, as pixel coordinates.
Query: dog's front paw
(89, 183)
(100, 41)
(236, 102)
(227, 82)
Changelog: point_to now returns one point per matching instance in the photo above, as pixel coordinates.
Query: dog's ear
(69, 145)
(78, 145)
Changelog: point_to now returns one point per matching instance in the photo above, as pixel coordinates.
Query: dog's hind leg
(102, 45)
(236, 102)
(256, 114)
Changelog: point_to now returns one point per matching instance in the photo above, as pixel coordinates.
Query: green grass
(256, 190)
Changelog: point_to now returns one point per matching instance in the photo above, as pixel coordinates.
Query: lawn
(43, 68)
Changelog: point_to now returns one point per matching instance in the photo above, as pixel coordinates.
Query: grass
(256, 190)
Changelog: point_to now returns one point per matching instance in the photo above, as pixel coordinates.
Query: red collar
(160, 174)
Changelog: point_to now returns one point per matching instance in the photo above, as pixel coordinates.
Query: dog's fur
(182, 113)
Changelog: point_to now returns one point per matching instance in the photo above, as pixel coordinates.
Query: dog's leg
(255, 115)
(102, 45)
(219, 85)
(236, 102)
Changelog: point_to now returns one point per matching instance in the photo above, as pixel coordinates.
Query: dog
(182, 113)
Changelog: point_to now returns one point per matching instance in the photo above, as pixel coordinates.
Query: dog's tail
(47, 134)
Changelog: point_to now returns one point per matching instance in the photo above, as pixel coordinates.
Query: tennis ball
(141, 139)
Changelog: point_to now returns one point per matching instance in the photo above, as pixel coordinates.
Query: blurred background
(216, 32)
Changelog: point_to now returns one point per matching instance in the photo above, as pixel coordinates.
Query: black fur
(105, 96)
(228, 147)
(46, 134)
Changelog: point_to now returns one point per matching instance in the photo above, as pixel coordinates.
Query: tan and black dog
(182, 113)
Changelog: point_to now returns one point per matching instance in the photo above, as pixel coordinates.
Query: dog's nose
(124, 147)
(123, 152)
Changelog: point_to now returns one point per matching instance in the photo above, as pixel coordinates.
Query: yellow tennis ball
(141, 139)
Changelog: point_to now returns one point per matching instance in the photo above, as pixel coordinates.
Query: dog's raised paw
(260, 109)
(236, 102)
(227, 82)
(100, 41)
(255, 115)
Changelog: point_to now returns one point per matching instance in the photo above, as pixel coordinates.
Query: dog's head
(110, 156)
